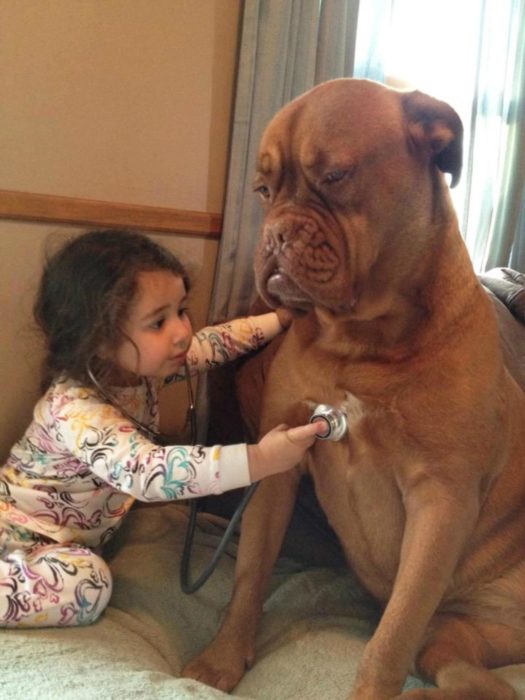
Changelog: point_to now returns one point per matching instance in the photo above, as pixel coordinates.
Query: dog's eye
(334, 176)
(263, 191)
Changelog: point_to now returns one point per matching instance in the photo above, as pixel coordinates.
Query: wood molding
(26, 206)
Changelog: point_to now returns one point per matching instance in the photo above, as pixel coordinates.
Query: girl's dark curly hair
(84, 298)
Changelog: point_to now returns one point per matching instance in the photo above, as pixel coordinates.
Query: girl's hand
(281, 449)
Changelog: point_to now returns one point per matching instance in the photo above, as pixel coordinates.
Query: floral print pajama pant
(45, 584)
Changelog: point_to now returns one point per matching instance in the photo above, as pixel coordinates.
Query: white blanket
(314, 629)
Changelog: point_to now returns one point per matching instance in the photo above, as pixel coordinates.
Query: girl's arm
(112, 449)
(110, 446)
(215, 345)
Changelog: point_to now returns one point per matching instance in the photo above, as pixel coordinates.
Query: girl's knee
(89, 590)
(54, 586)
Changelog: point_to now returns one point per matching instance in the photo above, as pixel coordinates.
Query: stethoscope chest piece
(335, 420)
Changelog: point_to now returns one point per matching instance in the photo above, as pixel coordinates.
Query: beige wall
(118, 100)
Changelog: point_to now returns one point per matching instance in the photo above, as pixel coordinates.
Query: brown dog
(427, 492)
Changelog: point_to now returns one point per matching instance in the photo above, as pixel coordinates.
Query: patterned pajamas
(72, 478)
(43, 584)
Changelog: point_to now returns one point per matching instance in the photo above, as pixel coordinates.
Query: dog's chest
(355, 411)
(356, 487)
(363, 504)
(354, 477)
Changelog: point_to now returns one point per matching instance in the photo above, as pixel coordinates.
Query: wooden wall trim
(25, 206)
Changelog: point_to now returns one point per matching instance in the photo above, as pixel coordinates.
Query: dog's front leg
(439, 519)
(223, 663)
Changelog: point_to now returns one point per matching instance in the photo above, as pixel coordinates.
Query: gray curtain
(506, 241)
(287, 46)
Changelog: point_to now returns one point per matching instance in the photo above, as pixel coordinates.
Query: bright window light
(458, 52)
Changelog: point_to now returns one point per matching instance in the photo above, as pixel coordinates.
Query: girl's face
(158, 327)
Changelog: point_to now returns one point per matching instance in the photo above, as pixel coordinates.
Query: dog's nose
(276, 236)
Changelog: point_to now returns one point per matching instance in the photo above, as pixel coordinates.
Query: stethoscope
(336, 427)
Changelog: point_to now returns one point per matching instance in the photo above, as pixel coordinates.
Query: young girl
(112, 307)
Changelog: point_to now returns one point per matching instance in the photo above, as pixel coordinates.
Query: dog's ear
(435, 127)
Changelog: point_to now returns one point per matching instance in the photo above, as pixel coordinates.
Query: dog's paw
(220, 665)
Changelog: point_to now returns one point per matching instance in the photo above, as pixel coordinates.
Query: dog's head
(350, 176)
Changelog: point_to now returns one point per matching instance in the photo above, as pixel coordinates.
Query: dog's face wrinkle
(301, 257)
(313, 264)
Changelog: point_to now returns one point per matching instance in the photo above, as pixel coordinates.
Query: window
(463, 53)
